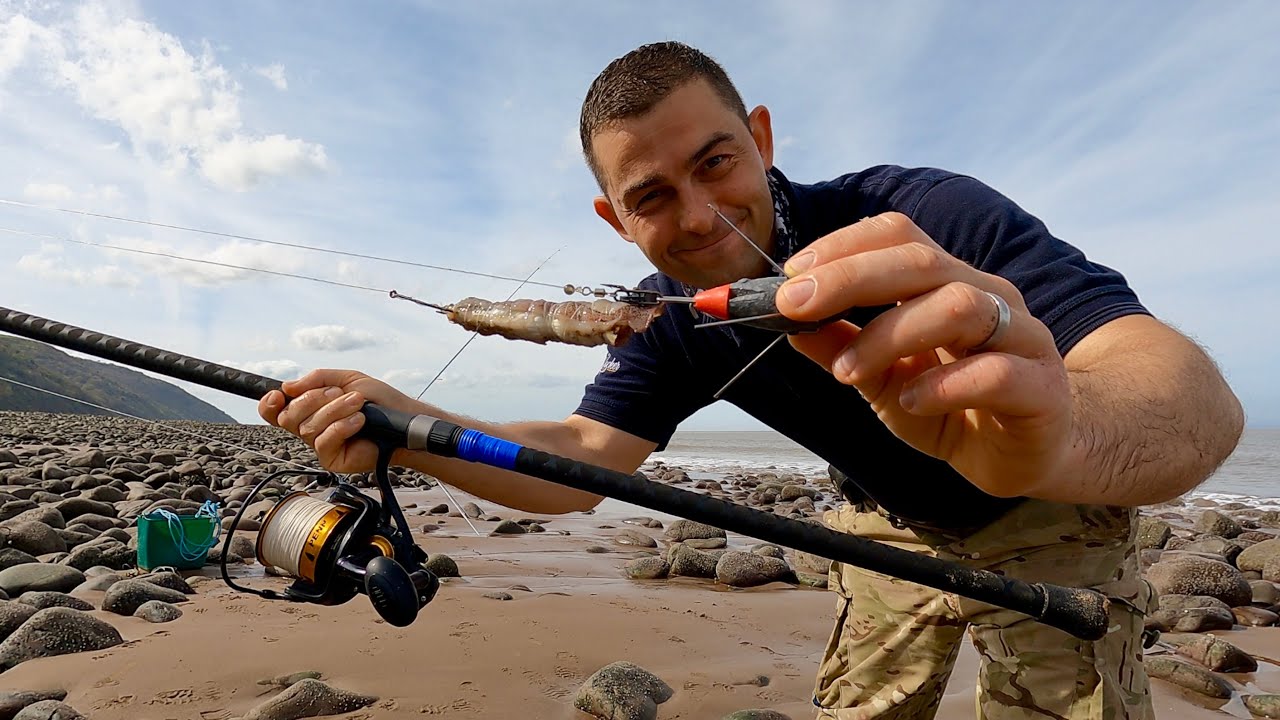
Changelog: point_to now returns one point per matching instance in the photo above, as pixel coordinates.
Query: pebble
(158, 611)
(11, 702)
(56, 631)
(48, 710)
(622, 691)
(1191, 677)
(309, 698)
(499, 595)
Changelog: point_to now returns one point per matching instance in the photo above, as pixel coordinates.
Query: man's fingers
(306, 405)
(331, 444)
(873, 233)
(337, 409)
(1000, 383)
(955, 317)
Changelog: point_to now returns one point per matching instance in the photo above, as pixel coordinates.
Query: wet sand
(468, 656)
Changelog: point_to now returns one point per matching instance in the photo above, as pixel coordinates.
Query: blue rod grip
(475, 446)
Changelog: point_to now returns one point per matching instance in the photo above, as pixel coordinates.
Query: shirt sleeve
(1070, 294)
(647, 386)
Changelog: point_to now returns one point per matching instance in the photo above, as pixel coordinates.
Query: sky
(445, 133)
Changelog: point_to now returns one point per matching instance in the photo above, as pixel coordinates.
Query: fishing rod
(350, 543)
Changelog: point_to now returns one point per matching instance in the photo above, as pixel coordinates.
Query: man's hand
(1002, 417)
(325, 413)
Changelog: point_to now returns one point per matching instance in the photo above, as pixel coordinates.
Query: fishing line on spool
(281, 542)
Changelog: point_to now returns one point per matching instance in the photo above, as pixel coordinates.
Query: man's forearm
(1150, 424)
(513, 490)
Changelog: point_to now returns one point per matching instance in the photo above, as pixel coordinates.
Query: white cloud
(277, 369)
(47, 192)
(235, 252)
(274, 73)
(241, 163)
(48, 264)
(332, 337)
(53, 193)
(177, 107)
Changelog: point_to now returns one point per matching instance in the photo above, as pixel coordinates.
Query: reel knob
(391, 591)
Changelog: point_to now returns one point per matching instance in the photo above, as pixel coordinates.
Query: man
(995, 398)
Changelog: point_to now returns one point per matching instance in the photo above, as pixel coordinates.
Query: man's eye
(716, 162)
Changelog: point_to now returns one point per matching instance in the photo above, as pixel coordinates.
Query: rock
(157, 611)
(793, 492)
(1265, 593)
(1213, 652)
(35, 538)
(109, 553)
(309, 698)
(39, 576)
(56, 631)
(1197, 576)
(706, 543)
(72, 508)
(442, 565)
(1212, 522)
(169, 579)
(1255, 556)
(1184, 602)
(757, 715)
(13, 556)
(472, 511)
(499, 595)
(48, 710)
(689, 562)
(744, 569)
(1254, 617)
(284, 681)
(1153, 533)
(41, 599)
(92, 459)
(769, 551)
(813, 581)
(648, 568)
(1265, 704)
(12, 616)
(126, 596)
(1192, 620)
(689, 530)
(635, 538)
(98, 583)
(509, 527)
(622, 691)
(1191, 677)
(1228, 550)
(12, 702)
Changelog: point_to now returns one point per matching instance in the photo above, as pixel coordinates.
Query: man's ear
(604, 209)
(762, 132)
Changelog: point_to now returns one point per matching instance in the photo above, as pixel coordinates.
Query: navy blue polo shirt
(660, 377)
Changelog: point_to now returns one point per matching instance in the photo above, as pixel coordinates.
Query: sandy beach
(572, 610)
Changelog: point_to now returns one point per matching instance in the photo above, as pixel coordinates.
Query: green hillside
(114, 386)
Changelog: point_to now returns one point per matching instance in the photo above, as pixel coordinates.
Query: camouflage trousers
(895, 643)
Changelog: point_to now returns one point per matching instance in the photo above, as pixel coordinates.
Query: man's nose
(697, 215)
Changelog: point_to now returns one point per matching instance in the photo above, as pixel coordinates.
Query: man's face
(663, 172)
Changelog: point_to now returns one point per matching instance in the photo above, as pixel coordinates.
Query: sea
(1251, 475)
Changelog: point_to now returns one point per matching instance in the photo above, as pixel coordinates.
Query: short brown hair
(631, 85)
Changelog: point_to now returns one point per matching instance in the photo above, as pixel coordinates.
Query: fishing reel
(341, 546)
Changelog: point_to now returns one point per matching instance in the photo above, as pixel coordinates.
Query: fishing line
(300, 246)
(474, 335)
(280, 273)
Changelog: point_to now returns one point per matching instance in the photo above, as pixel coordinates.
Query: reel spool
(339, 547)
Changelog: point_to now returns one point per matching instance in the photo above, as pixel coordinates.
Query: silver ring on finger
(1004, 318)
